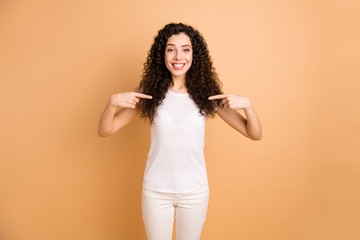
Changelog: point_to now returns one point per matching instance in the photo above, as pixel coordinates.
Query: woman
(178, 91)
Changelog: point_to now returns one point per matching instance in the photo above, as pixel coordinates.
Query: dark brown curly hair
(201, 79)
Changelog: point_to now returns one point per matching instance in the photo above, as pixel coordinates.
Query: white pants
(159, 209)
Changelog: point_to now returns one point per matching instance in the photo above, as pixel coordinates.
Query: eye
(170, 50)
(186, 50)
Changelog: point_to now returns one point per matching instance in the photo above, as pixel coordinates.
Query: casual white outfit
(175, 172)
(158, 213)
(176, 161)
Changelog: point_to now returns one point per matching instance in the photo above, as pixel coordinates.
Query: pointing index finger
(141, 95)
(220, 96)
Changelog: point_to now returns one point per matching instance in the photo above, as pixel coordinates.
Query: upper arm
(234, 119)
(123, 117)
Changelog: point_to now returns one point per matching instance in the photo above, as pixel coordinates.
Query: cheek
(190, 59)
(167, 61)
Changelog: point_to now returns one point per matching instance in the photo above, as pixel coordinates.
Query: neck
(178, 84)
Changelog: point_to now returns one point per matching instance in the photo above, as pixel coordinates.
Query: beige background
(298, 62)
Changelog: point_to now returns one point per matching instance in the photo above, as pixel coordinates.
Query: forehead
(179, 39)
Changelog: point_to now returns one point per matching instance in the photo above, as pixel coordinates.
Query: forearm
(253, 127)
(106, 123)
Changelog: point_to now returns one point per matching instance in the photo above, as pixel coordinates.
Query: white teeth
(179, 65)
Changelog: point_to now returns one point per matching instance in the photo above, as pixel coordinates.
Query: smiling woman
(178, 91)
(179, 44)
(178, 56)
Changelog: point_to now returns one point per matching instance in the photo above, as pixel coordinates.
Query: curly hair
(201, 79)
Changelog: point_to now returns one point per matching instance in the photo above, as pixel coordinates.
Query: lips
(178, 66)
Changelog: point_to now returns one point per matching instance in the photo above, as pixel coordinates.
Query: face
(178, 54)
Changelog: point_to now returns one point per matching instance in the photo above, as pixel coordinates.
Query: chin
(178, 74)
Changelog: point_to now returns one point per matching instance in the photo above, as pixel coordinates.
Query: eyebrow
(186, 45)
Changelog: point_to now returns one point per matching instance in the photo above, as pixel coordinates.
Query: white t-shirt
(176, 162)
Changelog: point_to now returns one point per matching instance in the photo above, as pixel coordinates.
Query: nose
(178, 55)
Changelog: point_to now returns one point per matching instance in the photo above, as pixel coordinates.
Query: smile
(178, 66)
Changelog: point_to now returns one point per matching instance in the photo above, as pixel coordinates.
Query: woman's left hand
(233, 101)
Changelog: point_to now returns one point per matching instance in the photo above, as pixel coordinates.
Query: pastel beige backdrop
(298, 62)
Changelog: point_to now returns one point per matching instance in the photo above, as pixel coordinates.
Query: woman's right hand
(127, 99)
